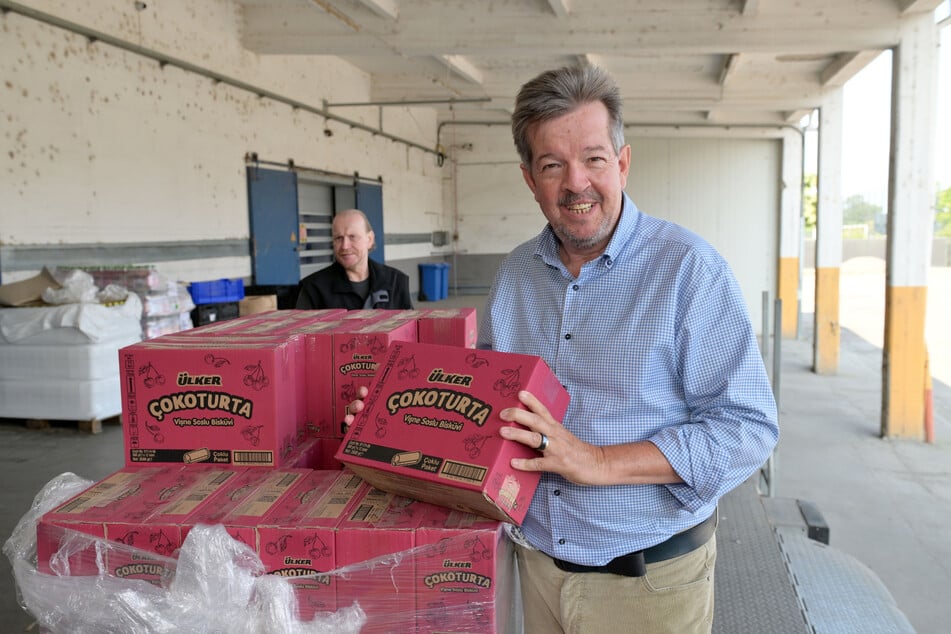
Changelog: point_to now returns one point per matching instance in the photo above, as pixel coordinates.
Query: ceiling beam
(559, 8)
(387, 9)
(337, 13)
(793, 117)
(750, 7)
(730, 63)
(906, 7)
(462, 67)
(844, 66)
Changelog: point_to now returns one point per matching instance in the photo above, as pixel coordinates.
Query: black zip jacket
(330, 288)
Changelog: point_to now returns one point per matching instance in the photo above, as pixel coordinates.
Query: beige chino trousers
(675, 597)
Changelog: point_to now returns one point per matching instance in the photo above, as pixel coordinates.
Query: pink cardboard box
(254, 319)
(235, 494)
(224, 402)
(449, 326)
(465, 574)
(86, 513)
(243, 519)
(357, 352)
(319, 373)
(141, 510)
(379, 524)
(154, 524)
(430, 428)
(316, 453)
(297, 537)
(297, 390)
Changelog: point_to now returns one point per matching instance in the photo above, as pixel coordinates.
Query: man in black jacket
(354, 281)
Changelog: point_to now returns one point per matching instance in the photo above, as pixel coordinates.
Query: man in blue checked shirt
(645, 325)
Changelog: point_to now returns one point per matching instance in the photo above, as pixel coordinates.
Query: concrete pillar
(910, 217)
(790, 232)
(828, 235)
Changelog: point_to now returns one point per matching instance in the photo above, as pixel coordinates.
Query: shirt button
(557, 492)
(561, 542)
(568, 336)
(575, 287)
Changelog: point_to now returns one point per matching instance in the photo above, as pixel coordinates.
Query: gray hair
(558, 92)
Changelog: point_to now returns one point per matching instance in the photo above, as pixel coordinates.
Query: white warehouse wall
(102, 145)
(107, 146)
(727, 189)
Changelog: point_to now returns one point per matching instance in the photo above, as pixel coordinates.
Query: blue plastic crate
(215, 291)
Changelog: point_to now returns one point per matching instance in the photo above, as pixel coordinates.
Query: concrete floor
(887, 502)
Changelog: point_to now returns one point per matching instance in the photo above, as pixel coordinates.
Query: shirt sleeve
(732, 426)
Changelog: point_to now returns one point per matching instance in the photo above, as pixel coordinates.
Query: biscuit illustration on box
(196, 455)
(406, 459)
(439, 406)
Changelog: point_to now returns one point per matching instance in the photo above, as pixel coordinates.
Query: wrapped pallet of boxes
(166, 304)
(58, 362)
(222, 548)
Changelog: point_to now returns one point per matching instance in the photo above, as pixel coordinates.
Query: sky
(866, 120)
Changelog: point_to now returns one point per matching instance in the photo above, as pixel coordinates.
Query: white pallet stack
(62, 362)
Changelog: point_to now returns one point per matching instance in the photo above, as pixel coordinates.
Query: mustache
(571, 198)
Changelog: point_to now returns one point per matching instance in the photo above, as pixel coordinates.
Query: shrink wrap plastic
(215, 585)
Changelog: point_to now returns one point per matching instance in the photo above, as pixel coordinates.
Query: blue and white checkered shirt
(653, 341)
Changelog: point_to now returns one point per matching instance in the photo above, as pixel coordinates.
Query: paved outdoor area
(887, 502)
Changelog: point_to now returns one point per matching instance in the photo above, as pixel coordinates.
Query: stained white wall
(724, 188)
(106, 146)
(101, 145)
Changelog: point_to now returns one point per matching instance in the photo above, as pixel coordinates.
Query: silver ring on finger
(543, 444)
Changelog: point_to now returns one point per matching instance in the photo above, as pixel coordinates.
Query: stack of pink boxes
(238, 423)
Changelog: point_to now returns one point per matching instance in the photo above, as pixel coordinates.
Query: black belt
(635, 564)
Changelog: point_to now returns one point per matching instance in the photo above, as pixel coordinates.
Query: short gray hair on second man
(558, 92)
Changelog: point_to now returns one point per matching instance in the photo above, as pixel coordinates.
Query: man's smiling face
(577, 178)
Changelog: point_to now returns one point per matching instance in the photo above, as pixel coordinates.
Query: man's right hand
(355, 407)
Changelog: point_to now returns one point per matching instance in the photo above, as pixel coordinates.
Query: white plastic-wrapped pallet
(61, 362)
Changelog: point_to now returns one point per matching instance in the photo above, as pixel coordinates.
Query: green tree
(858, 211)
(942, 213)
(810, 200)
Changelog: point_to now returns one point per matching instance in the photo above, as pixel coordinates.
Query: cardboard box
(297, 537)
(430, 428)
(142, 510)
(247, 501)
(297, 390)
(254, 304)
(156, 524)
(357, 353)
(449, 327)
(379, 524)
(58, 550)
(465, 574)
(28, 291)
(225, 402)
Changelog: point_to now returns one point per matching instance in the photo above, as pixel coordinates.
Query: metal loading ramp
(772, 578)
